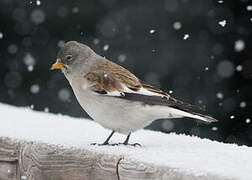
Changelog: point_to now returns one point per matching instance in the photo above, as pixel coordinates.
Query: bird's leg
(126, 142)
(106, 142)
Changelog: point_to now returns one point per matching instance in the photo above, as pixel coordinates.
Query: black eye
(69, 57)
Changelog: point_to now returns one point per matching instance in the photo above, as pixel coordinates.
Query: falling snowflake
(225, 69)
(121, 57)
(29, 61)
(248, 120)
(220, 1)
(214, 128)
(38, 2)
(219, 95)
(75, 10)
(38, 16)
(46, 110)
(30, 68)
(243, 104)
(12, 49)
(206, 68)
(1, 35)
(232, 117)
(239, 68)
(167, 125)
(152, 31)
(61, 43)
(105, 47)
(186, 36)
(35, 89)
(223, 23)
(249, 8)
(177, 25)
(64, 95)
(170, 92)
(96, 41)
(239, 45)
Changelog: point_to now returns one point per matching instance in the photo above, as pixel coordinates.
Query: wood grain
(21, 160)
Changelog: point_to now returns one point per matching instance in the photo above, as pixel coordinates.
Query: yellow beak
(57, 65)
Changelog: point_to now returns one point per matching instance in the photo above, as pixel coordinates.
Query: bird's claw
(104, 144)
(117, 144)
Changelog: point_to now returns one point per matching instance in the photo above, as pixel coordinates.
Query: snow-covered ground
(183, 153)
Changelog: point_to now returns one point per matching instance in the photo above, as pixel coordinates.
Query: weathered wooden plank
(51, 163)
(38, 161)
(129, 170)
(8, 170)
(8, 150)
(8, 159)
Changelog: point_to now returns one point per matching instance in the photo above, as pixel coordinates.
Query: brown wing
(123, 76)
(103, 81)
(118, 72)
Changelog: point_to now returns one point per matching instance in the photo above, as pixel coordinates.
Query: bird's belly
(114, 113)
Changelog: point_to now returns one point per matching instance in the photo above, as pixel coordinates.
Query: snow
(186, 36)
(243, 104)
(214, 128)
(1, 35)
(37, 16)
(122, 57)
(249, 8)
(30, 68)
(225, 69)
(96, 41)
(239, 45)
(152, 31)
(223, 23)
(181, 153)
(105, 47)
(248, 120)
(177, 25)
(34, 89)
(220, 95)
(64, 94)
(38, 2)
(75, 10)
(29, 60)
(239, 68)
(12, 49)
(61, 43)
(46, 109)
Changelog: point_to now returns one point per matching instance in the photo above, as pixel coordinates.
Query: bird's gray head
(71, 56)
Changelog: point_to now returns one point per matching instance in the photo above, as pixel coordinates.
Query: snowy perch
(35, 145)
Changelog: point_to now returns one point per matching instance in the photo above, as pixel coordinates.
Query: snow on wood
(46, 146)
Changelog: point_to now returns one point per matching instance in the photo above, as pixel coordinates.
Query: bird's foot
(105, 144)
(117, 144)
(128, 144)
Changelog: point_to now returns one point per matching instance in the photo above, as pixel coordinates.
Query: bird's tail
(203, 117)
(191, 114)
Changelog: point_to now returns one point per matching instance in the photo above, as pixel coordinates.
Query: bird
(114, 97)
